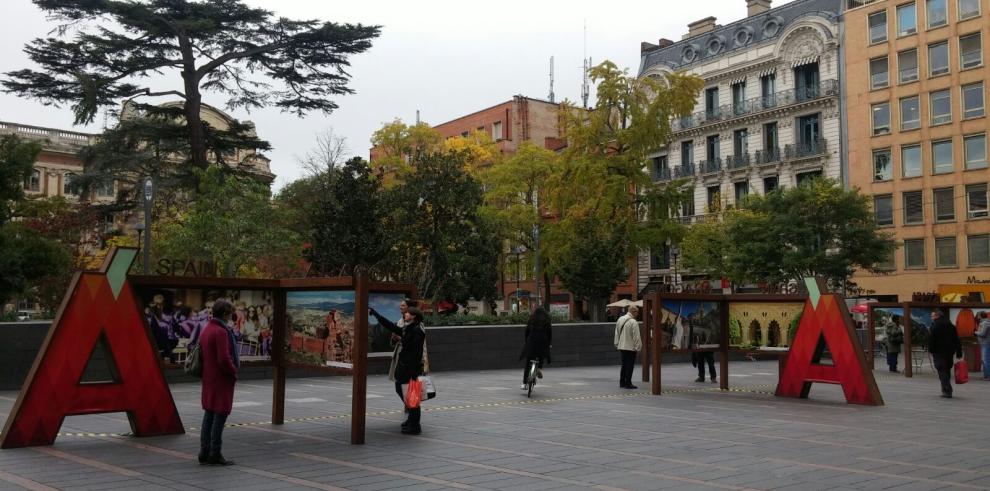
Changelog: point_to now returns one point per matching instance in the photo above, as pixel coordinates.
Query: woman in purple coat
(220, 362)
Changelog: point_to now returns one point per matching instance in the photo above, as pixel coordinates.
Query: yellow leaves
(478, 149)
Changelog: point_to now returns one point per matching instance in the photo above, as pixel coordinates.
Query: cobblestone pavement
(578, 431)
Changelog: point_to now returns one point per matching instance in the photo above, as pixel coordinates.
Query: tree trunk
(192, 107)
(596, 308)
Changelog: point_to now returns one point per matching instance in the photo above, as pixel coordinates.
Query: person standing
(895, 339)
(407, 358)
(983, 336)
(218, 348)
(536, 345)
(942, 344)
(628, 342)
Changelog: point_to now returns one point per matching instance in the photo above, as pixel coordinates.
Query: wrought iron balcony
(725, 112)
(738, 161)
(685, 170)
(661, 174)
(802, 150)
(768, 156)
(710, 166)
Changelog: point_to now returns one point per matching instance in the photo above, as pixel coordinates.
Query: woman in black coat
(408, 358)
(539, 337)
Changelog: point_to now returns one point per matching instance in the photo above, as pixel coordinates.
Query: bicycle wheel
(530, 378)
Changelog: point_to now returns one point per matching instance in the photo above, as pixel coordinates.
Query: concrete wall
(450, 348)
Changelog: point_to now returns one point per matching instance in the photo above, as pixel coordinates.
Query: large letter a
(98, 306)
(826, 323)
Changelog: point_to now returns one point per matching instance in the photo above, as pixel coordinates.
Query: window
(907, 19)
(969, 8)
(768, 89)
(910, 113)
(942, 157)
(742, 190)
(972, 100)
(807, 177)
(937, 13)
(911, 161)
(878, 27)
(770, 184)
(883, 209)
(687, 207)
(945, 205)
(687, 154)
(881, 119)
(979, 249)
(770, 143)
(887, 263)
(970, 51)
(739, 98)
(938, 59)
(976, 201)
(941, 107)
(878, 73)
(914, 208)
(68, 187)
(660, 259)
(907, 66)
(712, 147)
(497, 131)
(975, 149)
(945, 252)
(882, 167)
(711, 103)
(714, 199)
(33, 181)
(914, 253)
(661, 170)
(740, 143)
(105, 189)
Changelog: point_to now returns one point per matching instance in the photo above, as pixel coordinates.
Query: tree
(441, 244)
(594, 262)
(348, 225)
(603, 179)
(816, 228)
(233, 224)
(395, 145)
(28, 260)
(17, 159)
(220, 46)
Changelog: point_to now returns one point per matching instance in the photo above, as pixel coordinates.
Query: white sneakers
(523, 387)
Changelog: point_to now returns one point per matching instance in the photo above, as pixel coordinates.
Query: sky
(443, 58)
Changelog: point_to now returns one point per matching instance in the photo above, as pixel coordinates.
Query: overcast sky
(444, 58)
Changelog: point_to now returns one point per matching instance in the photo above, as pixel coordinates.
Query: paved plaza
(578, 431)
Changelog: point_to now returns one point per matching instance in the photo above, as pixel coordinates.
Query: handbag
(414, 393)
(429, 390)
(962, 372)
(193, 365)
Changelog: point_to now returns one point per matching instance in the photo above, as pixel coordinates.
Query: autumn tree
(105, 52)
(396, 145)
(603, 181)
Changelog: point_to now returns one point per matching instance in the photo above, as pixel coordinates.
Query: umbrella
(861, 308)
(638, 303)
(621, 303)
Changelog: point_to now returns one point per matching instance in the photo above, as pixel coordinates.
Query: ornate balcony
(734, 162)
(807, 149)
(726, 112)
(661, 174)
(685, 170)
(710, 166)
(769, 156)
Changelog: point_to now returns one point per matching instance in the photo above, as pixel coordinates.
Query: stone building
(916, 98)
(768, 116)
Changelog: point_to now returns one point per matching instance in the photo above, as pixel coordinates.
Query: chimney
(645, 46)
(700, 27)
(664, 42)
(757, 7)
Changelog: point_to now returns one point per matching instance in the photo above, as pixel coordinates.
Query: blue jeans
(211, 434)
(985, 359)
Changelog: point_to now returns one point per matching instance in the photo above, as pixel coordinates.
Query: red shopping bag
(414, 393)
(962, 372)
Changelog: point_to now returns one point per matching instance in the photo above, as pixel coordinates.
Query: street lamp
(149, 196)
(673, 258)
(140, 229)
(518, 250)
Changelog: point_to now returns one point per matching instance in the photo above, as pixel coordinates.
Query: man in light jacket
(628, 342)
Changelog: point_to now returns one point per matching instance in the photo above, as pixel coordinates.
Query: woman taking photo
(407, 358)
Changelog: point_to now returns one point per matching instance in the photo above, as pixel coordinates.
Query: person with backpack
(895, 339)
(628, 342)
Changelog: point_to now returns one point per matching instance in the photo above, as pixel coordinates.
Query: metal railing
(684, 170)
(767, 156)
(710, 166)
(738, 161)
(802, 150)
(825, 88)
(661, 174)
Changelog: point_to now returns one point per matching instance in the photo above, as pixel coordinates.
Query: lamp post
(140, 230)
(518, 251)
(149, 196)
(673, 258)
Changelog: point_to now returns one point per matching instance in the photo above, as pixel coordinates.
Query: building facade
(768, 116)
(916, 92)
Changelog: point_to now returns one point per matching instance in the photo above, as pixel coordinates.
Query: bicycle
(531, 375)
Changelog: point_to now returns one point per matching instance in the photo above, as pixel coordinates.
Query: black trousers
(628, 362)
(211, 434)
(944, 367)
(413, 414)
(892, 361)
(702, 358)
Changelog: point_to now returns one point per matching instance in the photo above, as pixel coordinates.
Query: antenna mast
(551, 80)
(585, 89)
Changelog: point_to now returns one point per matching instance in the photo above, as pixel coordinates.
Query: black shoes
(699, 379)
(630, 386)
(714, 381)
(412, 430)
(218, 460)
(203, 458)
(947, 395)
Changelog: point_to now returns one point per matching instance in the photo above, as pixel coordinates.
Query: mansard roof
(737, 36)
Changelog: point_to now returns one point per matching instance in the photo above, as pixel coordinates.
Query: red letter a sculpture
(826, 323)
(98, 306)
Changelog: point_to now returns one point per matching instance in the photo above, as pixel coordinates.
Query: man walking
(942, 344)
(628, 342)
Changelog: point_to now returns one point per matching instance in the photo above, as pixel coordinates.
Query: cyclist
(538, 339)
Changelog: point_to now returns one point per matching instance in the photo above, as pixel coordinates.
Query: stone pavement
(579, 431)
